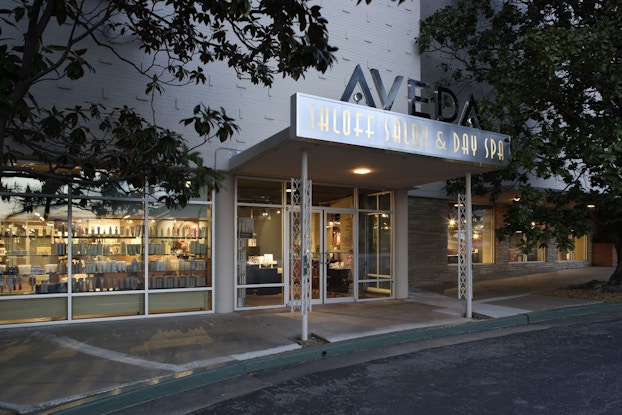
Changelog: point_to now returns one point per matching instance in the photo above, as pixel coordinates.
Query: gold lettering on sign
(405, 133)
(369, 131)
(357, 124)
(324, 118)
(440, 143)
(494, 149)
(346, 122)
(339, 121)
(335, 130)
(400, 131)
(397, 132)
(420, 138)
(467, 143)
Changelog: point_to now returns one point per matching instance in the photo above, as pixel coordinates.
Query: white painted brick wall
(380, 35)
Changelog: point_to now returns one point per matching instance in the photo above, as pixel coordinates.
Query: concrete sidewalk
(99, 367)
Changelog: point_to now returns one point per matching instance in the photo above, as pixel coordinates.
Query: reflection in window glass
(333, 196)
(108, 306)
(39, 308)
(517, 255)
(158, 194)
(483, 234)
(18, 185)
(259, 191)
(374, 199)
(375, 257)
(172, 302)
(579, 253)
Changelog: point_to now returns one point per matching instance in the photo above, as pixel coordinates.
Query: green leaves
(206, 120)
(120, 149)
(553, 69)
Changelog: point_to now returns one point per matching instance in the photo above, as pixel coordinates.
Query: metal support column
(465, 247)
(300, 246)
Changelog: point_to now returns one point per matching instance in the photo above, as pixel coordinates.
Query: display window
(31, 227)
(180, 247)
(579, 253)
(29, 249)
(106, 243)
(101, 256)
(483, 234)
(518, 255)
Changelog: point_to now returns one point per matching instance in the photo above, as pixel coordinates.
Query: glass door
(339, 239)
(333, 265)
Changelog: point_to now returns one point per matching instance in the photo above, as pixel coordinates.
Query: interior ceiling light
(361, 170)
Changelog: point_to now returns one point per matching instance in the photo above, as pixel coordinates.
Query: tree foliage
(553, 72)
(89, 146)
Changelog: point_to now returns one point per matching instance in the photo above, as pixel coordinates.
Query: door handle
(326, 259)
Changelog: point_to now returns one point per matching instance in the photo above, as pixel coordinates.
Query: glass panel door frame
(334, 265)
(375, 246)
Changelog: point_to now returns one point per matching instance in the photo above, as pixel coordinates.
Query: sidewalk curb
(538, 316)
(125, 397)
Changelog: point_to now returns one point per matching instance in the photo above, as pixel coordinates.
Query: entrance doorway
(333, 266)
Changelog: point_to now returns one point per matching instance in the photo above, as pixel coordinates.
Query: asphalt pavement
(567, 366)
(106, 367)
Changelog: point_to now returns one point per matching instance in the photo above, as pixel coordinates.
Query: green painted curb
(539, 316)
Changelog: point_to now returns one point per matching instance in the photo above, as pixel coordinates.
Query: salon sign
(325, 119)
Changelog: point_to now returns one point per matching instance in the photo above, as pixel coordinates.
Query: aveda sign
(469, 115)
(368, 126)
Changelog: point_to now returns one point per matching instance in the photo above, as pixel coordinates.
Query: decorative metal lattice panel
(462, 247)
(300, 245)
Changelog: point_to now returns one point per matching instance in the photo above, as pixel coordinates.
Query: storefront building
(371, 236)
(99, 257)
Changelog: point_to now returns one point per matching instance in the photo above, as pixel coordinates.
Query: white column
(400, 243)
(469, 247)
(146, 246)
(224, 251)
(304, 296)
(69, 256)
